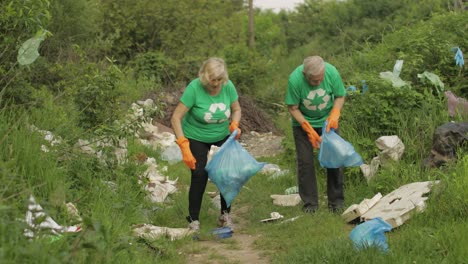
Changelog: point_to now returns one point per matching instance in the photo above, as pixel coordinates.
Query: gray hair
(313, 65)
(213, 68)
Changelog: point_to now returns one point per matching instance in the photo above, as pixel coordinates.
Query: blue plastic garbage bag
(231, 167)
(335, 152)
(371, 234)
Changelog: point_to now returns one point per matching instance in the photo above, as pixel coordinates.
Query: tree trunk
(251, 25)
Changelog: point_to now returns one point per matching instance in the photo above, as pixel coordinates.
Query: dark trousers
(199, 178)
(306, 176)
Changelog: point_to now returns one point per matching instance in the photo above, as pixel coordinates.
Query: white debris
(73, 212)
(151, 232)
(391, 146)
(274, 216)
(356, 210)
(273, 170)
(286, 200)
(396, 207)
(291, 190)
(38, 221)
(158, 186)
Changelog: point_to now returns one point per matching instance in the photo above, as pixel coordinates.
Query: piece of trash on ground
(286, 200)
(151, 232)
(371, 234)
(274, 217)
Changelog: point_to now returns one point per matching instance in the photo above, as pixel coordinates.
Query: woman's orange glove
(332, 120)
(187, 156)
(314, 138)
(235, 126)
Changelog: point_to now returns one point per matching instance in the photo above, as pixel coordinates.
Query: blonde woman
(207, 113)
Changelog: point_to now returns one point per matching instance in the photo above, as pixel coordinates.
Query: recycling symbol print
(316, 100)
(218, 113)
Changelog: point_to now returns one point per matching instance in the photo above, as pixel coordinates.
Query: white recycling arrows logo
(213, 108)
(316, 100)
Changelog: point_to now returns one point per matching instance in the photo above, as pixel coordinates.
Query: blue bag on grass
(335, 152)
(371, 234)
(231, 167)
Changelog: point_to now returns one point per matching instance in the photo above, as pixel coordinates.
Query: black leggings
(200, 178)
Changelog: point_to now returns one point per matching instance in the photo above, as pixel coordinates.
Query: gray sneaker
(225, 220)
(194, 226)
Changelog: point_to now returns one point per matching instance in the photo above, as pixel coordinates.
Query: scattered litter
(291, 219)
(273, 171)
(356, 210)
(392, 148)
(370, 170)
(157, 185)
(448, 139)
(73, 212)
(365, 88)
(286, 200)
(433, 79)
(274, 217)
(38, 221)
(393, 77)
(151, 232)
(458, 57)
(371, 234)
(216, 201)
(395, 208)
(291, 190)
(172, 154)
(351, 88)
(222, 232)
(456, 105)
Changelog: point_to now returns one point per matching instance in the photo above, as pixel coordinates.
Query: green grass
(62, 175)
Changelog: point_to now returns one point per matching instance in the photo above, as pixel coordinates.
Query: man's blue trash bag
(371, 234)
(231, 167)
(335, 152)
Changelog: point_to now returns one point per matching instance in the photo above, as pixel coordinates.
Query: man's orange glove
(235, 126)
(332, 120)
(187, 156)
(314, 138)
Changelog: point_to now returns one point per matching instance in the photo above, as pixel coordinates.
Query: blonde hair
(313, 65)
(213, 68)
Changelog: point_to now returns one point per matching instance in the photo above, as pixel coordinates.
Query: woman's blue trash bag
(335, 152)
(371, 234)
(231, 167)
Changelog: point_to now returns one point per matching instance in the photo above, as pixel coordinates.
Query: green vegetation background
(100, 56)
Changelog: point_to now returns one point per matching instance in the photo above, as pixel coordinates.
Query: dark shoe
(309, 209)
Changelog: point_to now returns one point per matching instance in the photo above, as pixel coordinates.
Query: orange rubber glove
(314, 138)
(235, 126)
(333, 119)
(187, 156)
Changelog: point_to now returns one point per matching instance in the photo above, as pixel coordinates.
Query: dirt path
(239, 248)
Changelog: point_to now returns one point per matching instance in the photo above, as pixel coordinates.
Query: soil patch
(253, 118)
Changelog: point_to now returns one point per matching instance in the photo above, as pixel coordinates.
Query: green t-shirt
(314, 102)
(208, 117)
